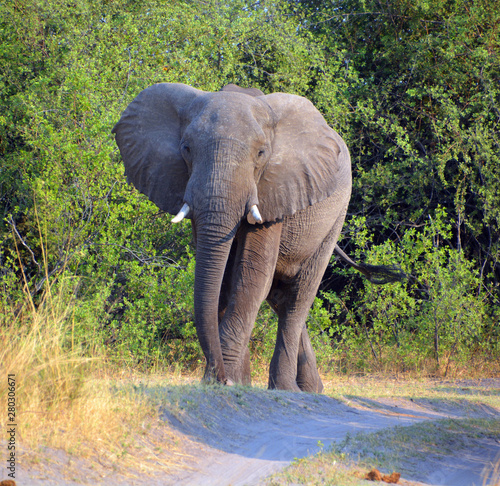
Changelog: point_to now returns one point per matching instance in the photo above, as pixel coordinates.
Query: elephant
(266, 184)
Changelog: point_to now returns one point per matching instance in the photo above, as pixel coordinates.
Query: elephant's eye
(186, 149)
(261, 152)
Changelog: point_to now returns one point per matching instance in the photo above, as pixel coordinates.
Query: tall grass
(66, 395)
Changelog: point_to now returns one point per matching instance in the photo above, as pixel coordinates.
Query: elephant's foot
(292, 387)
(308, 378)
(239, 371)
(211, 380)
(238, 375)
(311, 385)
(279, 383)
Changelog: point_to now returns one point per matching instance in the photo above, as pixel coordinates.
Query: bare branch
(14, 228)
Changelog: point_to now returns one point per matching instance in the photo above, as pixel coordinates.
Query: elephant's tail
(376, 274)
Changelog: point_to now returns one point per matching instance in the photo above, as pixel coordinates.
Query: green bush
(442, 313)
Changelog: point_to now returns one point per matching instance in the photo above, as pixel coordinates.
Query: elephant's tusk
(254, 216)
(181, 214)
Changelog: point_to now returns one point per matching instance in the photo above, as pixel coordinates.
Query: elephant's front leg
(251, 278)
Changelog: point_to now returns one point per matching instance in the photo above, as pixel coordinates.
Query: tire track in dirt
(265, 432)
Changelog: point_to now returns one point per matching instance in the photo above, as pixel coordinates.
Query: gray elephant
(266, 183)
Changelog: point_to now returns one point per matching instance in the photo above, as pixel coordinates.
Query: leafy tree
(67, 212)
(441, 315)
(423, 84)
(425, 107)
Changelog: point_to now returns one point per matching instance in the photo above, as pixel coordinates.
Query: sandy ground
(237, 436)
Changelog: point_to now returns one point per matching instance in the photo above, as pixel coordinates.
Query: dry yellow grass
(492, 475)
(67, 400)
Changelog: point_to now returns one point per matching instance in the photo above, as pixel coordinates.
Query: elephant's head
(221, 159)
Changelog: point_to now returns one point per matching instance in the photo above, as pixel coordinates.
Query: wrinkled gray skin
(222, 153)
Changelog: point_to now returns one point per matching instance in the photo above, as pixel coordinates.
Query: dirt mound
(240, 436)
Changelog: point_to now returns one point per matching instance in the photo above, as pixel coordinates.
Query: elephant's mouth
(253, 216)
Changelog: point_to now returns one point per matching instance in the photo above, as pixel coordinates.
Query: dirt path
(238, 436)
(244, 444)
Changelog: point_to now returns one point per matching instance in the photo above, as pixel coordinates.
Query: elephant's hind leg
(293, 366)
(290, 354)
(308, 378)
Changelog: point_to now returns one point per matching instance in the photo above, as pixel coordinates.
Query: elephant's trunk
(219, 194)
(212, 252)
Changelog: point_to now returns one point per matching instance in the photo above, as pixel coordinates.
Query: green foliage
(422, 126)
(413, 87)
(321, 333)
(441, 314)
(263, 339)
(424, 108)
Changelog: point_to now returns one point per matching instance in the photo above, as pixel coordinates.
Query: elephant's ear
(148, 135)
(309, 161)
